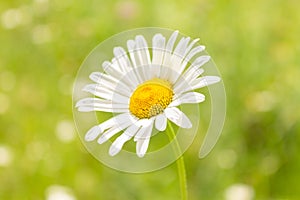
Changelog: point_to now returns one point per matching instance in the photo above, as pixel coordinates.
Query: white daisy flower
(144, 86)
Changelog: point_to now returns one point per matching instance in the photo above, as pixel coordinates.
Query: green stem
(180, 162)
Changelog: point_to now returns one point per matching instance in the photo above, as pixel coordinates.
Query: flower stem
(180, 162)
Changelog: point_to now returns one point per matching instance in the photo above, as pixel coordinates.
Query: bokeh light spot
(226, 159)
(239, 192)
(4, 103)
(11, 18)
(65, 131)
(6, 156)
(41, 34)
(58, 192)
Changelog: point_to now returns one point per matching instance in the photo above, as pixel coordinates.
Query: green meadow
(256, 47)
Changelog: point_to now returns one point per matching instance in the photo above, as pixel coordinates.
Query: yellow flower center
(150, 98)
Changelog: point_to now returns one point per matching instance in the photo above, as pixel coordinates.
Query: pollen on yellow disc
(150, 98)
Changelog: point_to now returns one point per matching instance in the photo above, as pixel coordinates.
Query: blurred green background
(255, 45)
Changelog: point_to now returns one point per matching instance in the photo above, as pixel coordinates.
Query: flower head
(143, 86)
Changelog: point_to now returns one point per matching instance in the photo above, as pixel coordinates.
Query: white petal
(181, 47)
(108, 134)
(190, 75)
(96, 101)
(141, 147)
(161, 122)
(191, 97)
(105, 93)
(195, 83)
(96, 104)
(98, 77)
(190, 46)
(110, 82)
(119, 119)
(132, 129)
(128, 82)
(166, 73)
(104, 79)
(196, 74)
(98, 91)
(122, 60)
(144, 123)
(143, 143)
(158, 43)
(112, 131)
(180, 85)
(121, 57)
(178, 117)
(169, 48)
(132, 50)
(177, 57)
(119, 142)
(111, 65)
(193, 52)
(188, 55)
(93, 133)
(178, 54)
(199, 62)
(114, 65)
(129, 78)
(139, 133)
(118, 98)
(168, 53)
(143, 51)
(100, 109)
(132, 79)
(112, 70)
(171, 41)
(204, 81)
(143, 55)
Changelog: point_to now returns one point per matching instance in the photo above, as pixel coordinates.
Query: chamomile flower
(144, 86)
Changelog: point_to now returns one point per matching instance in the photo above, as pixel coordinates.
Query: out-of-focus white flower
(58, 192)
(239, 192)
(6, 156)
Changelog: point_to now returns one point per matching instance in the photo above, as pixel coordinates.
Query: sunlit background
(256, 46)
